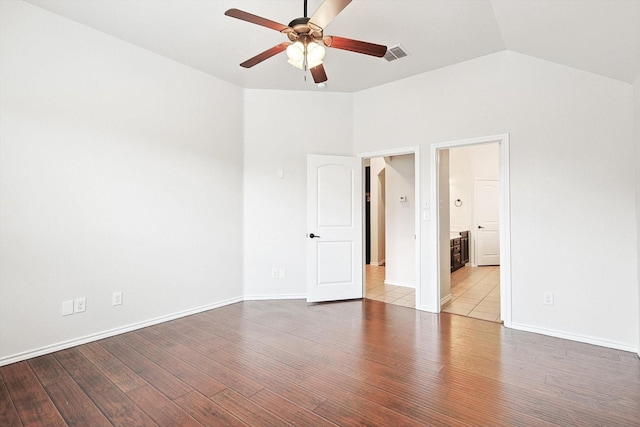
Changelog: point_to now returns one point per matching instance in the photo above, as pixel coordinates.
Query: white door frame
(415, 150)
(505, 218)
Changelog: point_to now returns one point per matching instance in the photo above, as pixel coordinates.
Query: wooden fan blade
(318, 73)
(355, 46)
(255, 19)
(264, 55)
(326, 12)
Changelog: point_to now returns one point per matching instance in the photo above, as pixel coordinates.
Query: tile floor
(377, 290)
(475, 292)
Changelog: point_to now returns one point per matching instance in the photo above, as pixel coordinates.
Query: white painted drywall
(636, 98)
(572, 181)
(466, 164)
(281, 128)
(400, 220)
(120, 170)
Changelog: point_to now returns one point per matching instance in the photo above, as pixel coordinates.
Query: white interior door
(334, 228)
(487, 214)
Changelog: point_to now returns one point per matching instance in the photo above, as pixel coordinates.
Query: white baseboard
(404, 285)
(446, 300)
(575, 337)
(111, 332)
(378, 263)
(273, 297)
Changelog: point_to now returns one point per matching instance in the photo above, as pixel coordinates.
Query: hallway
(475, 292)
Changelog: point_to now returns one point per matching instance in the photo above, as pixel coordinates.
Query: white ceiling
(601, 36)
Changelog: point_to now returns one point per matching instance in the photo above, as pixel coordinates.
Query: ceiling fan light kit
(304, 56)
(306, 46)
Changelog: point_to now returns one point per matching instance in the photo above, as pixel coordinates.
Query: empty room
(186, 207)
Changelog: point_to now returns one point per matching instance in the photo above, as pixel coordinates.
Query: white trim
(446, 300)
(575, 337)
(274, 297)
(415, 150)
(111, 332)
(403, 285)
(387, 153)
(505, 220)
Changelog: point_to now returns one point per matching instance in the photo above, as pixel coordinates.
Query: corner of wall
(636, 103)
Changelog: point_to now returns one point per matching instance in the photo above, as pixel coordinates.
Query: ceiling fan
(305, 47)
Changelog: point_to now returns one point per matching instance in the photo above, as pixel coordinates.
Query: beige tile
(399, 292)
(456, 310)
(459, 307)
(468, 300)
(487, 310)
(404, 303)
(483, 316)
(477, 295)
(475, 291)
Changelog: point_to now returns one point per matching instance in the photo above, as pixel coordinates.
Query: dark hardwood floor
(272, 363)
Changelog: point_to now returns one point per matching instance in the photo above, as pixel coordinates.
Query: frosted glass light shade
(295, 52)
(315, 54)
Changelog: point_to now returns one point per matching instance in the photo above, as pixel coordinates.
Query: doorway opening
(486, 230)
(469, 216)
(391, 199)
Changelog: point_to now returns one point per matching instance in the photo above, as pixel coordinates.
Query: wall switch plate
(116, 298)
(282, 273)
(548, 298)
(67, 307)
(79, 305)
(274, 273)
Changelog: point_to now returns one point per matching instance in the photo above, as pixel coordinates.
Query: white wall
(466, 164)
(120, 170)
(637, 122)
(400, 220)
(281, 128)
(573, 222)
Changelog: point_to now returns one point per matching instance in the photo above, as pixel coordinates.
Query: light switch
(280, 173)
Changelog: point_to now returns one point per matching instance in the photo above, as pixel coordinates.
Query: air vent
(395, 52)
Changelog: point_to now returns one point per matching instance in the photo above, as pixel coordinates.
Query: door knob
(311, 236)
(480, 226)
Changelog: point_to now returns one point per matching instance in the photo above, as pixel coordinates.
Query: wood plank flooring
(364, 362)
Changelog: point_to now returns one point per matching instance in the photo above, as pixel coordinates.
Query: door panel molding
(335, 195)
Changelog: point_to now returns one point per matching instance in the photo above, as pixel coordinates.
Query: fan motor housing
(301, 27)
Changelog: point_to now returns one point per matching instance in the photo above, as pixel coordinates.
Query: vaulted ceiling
(601, 37)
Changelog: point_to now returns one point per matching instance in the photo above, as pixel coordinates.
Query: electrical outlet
(548, 298)
(117, 298)
(282, 273)
(79, 305)
(67, 307)
(274, 273)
